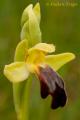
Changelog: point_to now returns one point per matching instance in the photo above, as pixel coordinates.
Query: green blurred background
(59, 25)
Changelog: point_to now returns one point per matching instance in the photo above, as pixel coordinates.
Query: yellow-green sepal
(21, 50)
(16, 72)
(57, 61)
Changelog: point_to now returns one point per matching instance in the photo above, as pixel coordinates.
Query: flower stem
(16, 96)
(25, 100)
(21, 99)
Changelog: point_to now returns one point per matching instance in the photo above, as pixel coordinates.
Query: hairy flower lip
(52, 84)
(59, 98)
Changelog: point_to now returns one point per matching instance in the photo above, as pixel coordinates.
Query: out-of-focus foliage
(59, 25)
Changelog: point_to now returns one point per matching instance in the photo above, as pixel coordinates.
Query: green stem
(21, 99)
(16, 96)
(25, 100)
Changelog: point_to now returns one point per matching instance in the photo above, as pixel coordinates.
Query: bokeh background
(59, 25)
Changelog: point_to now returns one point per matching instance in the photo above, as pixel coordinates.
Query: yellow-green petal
(16, 72)
(57, 61)
(21, 51)
(47, 48)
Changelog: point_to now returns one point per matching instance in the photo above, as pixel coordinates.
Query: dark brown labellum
(52, 84)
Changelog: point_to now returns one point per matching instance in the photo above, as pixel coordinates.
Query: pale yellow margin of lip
(16, 72)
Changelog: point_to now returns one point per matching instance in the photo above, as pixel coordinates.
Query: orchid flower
(44, 66)
(34, 57)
